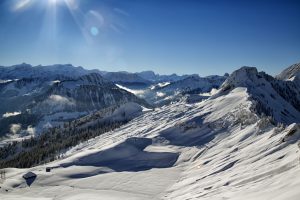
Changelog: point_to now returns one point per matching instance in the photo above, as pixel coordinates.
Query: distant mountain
(163, 93)
(63, 71)
(291, 73)
(50, 72)
(126, 78)
(60, 100)
(155, 78)
(87, 93)
(140, 79)
(194, 84)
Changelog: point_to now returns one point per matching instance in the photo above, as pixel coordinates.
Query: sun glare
(53, 1)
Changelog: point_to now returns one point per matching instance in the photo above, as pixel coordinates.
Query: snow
(208, 150)
(56, 81)
(260, 87)
(163, 84)
(135, 92)
(5, 81)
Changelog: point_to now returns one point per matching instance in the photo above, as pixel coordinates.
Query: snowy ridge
(50, 72)
(272, 97)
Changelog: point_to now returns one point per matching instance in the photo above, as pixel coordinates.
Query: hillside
(236, 144)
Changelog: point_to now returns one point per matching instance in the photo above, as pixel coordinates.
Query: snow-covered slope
(229, 146)
(219, 148)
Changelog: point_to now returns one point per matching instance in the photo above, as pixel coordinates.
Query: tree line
(49, 145)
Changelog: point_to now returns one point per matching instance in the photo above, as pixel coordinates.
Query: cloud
(122, 12)
(15, 128)
(212, 92)
(59, 100)
(11, 114)
(30, 130)
(54, 103)
(160, 94)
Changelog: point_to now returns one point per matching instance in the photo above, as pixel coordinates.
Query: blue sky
(182, 36)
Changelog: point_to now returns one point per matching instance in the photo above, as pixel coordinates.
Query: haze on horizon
(205, 36)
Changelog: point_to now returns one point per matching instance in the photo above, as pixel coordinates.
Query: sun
(53, 2)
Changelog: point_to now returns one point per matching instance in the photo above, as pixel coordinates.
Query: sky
(167, 36)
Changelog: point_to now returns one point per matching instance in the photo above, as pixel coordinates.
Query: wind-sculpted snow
(128, 156)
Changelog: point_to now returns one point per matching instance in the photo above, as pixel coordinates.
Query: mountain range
(147, 136)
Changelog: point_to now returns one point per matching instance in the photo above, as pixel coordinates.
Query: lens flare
(21, 4)
(94, 31)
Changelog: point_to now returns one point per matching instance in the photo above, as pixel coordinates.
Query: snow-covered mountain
(126, 78)
(53, 102)
(192, 87)
(292, 74)
(228, 146)
(87, 93)
(50, 72)
(277, 98)
(157, 78)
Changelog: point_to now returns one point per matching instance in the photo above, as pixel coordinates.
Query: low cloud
(212, 92)
(10, 114)
(30, 130)
(15, 128)
(160, 94)
(57, 99)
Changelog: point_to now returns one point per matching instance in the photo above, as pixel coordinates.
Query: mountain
(236, 144)
(156, 78)
(192, 85)
(127, 79)
(163, 93)
(87, 93)
(292, 74)
(273, 97)
(53, 102)
(50, 72)
(148, 75)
